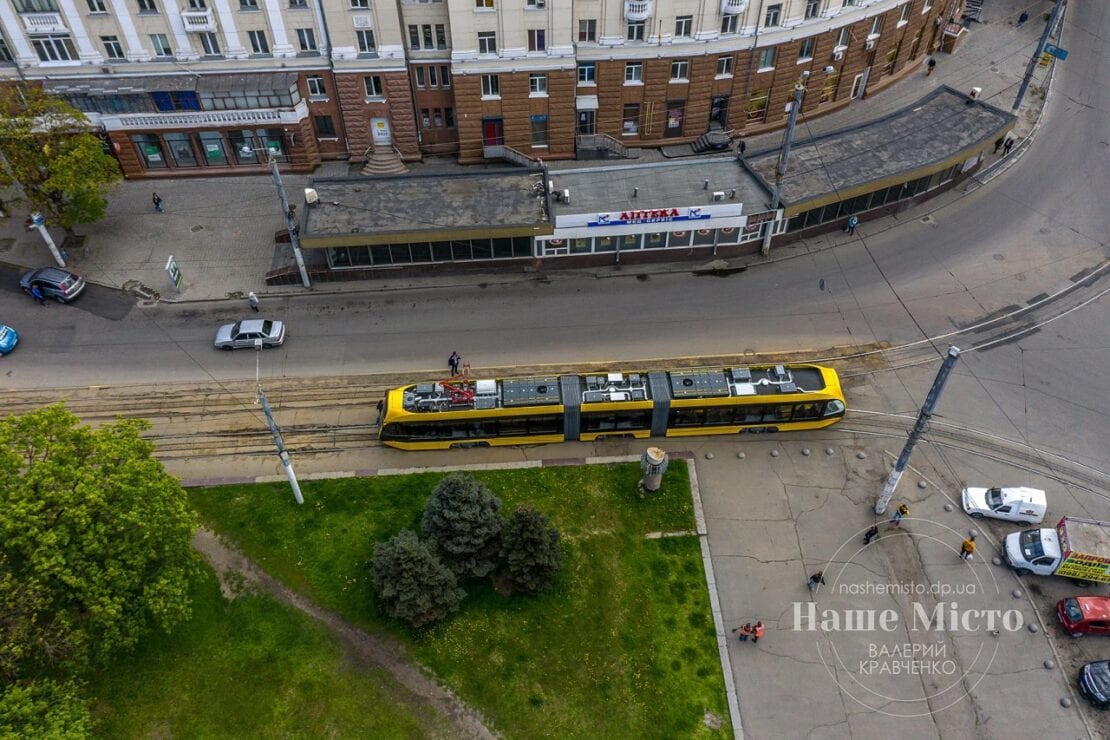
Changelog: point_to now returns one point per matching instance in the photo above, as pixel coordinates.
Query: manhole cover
(195, 229)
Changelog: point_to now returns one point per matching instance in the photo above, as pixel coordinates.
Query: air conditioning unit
(566, 196)
(838, 56)
(310, 195)
(718, 195)
(869, 44)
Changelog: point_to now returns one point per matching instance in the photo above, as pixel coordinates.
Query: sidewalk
(220, 231)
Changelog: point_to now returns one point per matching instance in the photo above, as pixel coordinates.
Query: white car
(1020, 504)
(248, 332)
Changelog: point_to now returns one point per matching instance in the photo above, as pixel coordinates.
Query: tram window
(545, 424)
(512, 426)
(718, 416)
(807, 411)
(618, 420)
(687, 418)
(777, 413)
(749, 414)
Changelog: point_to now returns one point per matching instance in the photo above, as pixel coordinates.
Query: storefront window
(676, 114)
(150, 151)
(630, 241)
(181, 149)
(213, 148)
(605, 244)
(244, 147)
(678, 239)
(580, 246)
(703, 237)
(658, 240)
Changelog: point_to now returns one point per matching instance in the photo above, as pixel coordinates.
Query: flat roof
(374, 208)
(941, 128)
(671, 184)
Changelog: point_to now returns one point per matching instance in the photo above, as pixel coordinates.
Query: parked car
(1094, 683)
(247, 332)
(54, 282)
(1084, 615)
(9, 337)
(1020, 504)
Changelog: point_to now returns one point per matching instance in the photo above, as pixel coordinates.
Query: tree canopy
(94, 542)
(49, 150)
(411, 582)
(43, 708)
(462, 519)
(530, 551)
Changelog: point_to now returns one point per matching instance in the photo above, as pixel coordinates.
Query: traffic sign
(1056, 51)
(174, 273)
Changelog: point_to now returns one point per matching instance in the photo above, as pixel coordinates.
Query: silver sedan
(248, 332)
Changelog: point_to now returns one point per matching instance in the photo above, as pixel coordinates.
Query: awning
(112, 85)
(586, 102)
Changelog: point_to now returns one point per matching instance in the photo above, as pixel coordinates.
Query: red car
(1084, 615)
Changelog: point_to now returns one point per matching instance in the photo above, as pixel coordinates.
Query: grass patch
(623, 646)
(251, 667)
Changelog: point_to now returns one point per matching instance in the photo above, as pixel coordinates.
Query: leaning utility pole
(918, 429)
(290, 221)
(280, 444)
(38, 222)
(1037, 54)
(784, 158)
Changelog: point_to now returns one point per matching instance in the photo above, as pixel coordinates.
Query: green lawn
(249, 668)
(624, 646)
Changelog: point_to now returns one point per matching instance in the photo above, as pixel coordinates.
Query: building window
(537, 40)
(891, 58)
(441, 36)
(729, 24)
(813, 7)
(298, 3)
(767, 58)
(844, 37)
(587, 73)
(487, 42)
(360, 3)
(876, 25)
(316, 86)
(420, 82)
(248, 4)
(683, 26)
(112, 46)
(490, 86)
(539, 130)
(805, 51)
(537, 84)
(161, 44)
(432, 82)
(5, 52)
(828, 89)
(633, 72)
(147, 6)
(724, 66)
(846, 3)
(630, 121)
(211, 44)
(483, 3)
(757, 105)
(414, 37)
(374, 87)
(425, 118)
(635, 31)
(774, 15)
(680, 70)
(306, 37)
(35, 6)
(444, 76)
(97, 6)
(449, 117)
(587, 30)
(259, 44)
(905, 14)
(197, 5)
(426, 32)
(438, 117)
(325, 126)
(173, 101)
(366, 43)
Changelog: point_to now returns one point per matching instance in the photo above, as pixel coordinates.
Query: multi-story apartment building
(213, 86)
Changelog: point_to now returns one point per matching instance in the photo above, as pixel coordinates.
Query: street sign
(1056, 51)
(174, 273)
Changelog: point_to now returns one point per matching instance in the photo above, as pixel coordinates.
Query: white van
(1020, 504)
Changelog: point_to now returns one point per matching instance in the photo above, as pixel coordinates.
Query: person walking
(381, 408)
(36, 293)
(967, 549)
(817, 579)
(252, 299)
(853, 222)
(757, 632)
(896, 520)
(1022, 18)
(453, 363)
(930, 66)
(744, 632)
(998, 143)
(1006, 147)
(157, 200)
(871, 533)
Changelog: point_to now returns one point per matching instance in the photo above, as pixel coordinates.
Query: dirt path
(376, 649)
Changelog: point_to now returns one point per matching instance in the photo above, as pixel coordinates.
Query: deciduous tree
(530, 551)
(43, 708)
(49, 150)
(462, 520)
(412, 583)
(94, 541)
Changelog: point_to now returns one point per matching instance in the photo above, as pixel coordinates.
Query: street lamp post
(784, 157)
(39, 223)
(290, 221)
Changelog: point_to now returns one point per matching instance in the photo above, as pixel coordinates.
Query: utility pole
(1037, 54)
(918, 429)
(784, 157)
(39, 223)
(280, 444)
(290, 221)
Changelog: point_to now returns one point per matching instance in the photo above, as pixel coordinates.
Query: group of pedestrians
(749, 630)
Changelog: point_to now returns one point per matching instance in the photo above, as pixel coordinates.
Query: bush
(413, 585)
(530, 551)
(462, 521)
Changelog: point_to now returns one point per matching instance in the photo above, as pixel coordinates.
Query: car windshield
(994, 497)
(267, 328)
(1071, 608)
(1100, 676)
(1031, 545)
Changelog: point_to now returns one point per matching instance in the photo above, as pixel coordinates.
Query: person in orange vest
(757, 632)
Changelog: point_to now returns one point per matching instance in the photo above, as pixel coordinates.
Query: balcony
(637, 10)
(733, 7)
(43, 22)
(198, 21)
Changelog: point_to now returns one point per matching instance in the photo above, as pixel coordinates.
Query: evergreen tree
(411, 582)
(530, 551)
(462, 521)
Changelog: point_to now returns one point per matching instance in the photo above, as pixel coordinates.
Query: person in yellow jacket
(967, 549)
